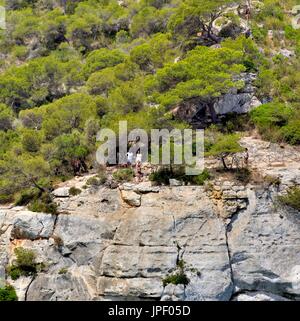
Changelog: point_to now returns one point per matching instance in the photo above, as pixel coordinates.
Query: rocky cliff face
(120, 244)
(240, 101)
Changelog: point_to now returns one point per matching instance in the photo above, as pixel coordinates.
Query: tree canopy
(71, 67)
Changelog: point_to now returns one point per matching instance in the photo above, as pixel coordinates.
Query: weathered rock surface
(264, 245)
(234, 242)
(237, 101)
(96, 254)
(131, 198)
(75, 284)
(173, 292)
(273, 160)
(259, 296)
(32, 226)
(61, 192)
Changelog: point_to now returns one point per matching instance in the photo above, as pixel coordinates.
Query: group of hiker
(133, 160)
(136, 163)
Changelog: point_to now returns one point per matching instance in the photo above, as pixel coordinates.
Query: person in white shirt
(138, 157)
(129, 158)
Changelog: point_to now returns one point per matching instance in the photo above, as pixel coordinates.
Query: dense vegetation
(69, 68)
(24, 265)
(8, 293)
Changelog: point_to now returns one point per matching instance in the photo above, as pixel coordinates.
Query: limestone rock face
(264, 246)
(227, 240)
(236, 101)
(32, 226)
(259, 296)
(229, 198)
(121, 251)
(240, 102)
(173, 293)
(75, 284)
(131, 288)
(146, 187)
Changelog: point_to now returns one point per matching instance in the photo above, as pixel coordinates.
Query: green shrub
(26, 196)
(181, 264)
(40, 207)
(272, 180)
(177, 278)
(273, 123)
(101, 59)
(259, 33)
(25, 257)
(8, 293)
(123, 175)
(162, 176)
(74, 191)
(291, 132)
(102, 176)
(223, 146)
(233, 122)
(292, 198)
(31, 141)
(43, 204)
(14, 272)
(93, 181)
(201, 178)
(20, 52)
(272, 114)
(4, 199)
(24, 264)
(63, 271)
(243, 175)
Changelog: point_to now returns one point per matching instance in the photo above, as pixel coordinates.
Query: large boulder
(32, 226)
(61, 192)
(239, 101)
(236, 101)
(131, 198)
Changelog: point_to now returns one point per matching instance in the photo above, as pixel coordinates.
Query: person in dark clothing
(138, 171)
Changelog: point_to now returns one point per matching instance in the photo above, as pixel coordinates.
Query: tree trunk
(224, 163)
(213, 37)
(212, 111)
(38, 186)
(84, 166)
